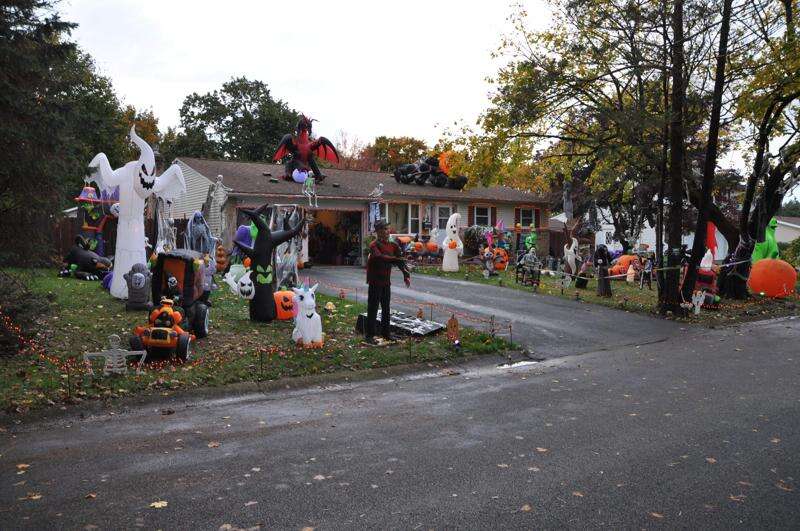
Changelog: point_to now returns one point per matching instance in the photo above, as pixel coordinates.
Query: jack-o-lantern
(432, 247)
(418, 247)
(772, 277)
(285, 304)
(453, 244)
(246, 262)
(222, 259)
(500, 259)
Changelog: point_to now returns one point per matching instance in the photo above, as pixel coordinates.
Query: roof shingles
(246, 178)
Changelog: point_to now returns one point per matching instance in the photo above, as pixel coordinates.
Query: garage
(334, 237)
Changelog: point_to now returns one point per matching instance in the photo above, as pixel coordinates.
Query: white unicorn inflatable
(307, 324)
(452, 245)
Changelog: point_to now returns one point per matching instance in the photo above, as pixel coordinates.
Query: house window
(398, 217)
(443, 214)
(526, 217)
(482, 216)
(413, 219)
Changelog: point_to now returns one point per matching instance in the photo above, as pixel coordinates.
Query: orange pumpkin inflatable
(432, 247)
(500, 259)
(284, 304)
(773, 277)
(418, 247)
(453, 244)
(221, 257)
(403, 240)
(622, 265)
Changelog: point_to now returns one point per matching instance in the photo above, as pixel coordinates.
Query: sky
(372, 68)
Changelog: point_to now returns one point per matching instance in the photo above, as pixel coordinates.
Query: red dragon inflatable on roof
(304, 152)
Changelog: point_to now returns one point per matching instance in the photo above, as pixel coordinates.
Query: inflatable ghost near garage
(452, 245)
(137, 181)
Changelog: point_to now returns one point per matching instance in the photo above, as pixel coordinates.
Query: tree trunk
(709, 169)
(659, 259)
(671, 301)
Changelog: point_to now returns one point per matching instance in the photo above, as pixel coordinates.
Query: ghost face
(452, 227)
(146, 180)
(137, 281)
(246, 289)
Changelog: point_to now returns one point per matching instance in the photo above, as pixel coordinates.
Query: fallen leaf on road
(307, 529)
(784, 486)
(656, 515)
(213, 444)
(737, 498)
(159, 504)
(248, 504)
(32, 496)
(319, 477)
(526, 508)
(711, 460)
(533, 469)
(256, 469)
(577, 493)
(23, 466)
(745, 483)
(542, 450)
(91, 496)
(502, 465)
(775, 440)
(519, 437)
(167, 411)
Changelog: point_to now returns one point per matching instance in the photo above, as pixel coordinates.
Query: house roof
(787, 220)
(252, 178)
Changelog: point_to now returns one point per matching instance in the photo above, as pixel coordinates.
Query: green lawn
(629, 296)
(82, 316)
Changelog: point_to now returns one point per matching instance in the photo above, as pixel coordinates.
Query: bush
(19, 307)
(791, 253)
(474, 237)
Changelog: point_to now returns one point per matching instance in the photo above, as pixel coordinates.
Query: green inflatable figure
(531, 239)
(769, 247)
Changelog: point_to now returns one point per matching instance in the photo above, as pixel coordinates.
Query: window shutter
(517, 217)
(537, 217)
(470, 215)
(494, 216)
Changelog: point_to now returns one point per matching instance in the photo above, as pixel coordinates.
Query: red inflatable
(772, 277)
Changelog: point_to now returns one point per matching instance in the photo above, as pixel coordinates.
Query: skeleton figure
(310, 190)
(136, 181)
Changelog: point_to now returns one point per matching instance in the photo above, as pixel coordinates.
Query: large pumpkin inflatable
(284, 304)
(623, 262)
(773, 277)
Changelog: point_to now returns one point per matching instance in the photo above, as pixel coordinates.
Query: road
(699, 431)
(546, 325)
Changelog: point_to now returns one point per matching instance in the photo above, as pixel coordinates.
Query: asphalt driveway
(548, 326)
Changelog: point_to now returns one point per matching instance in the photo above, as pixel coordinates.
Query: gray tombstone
(139, 279)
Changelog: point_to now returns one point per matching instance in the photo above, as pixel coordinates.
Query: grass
(629, 297)
(82, 316)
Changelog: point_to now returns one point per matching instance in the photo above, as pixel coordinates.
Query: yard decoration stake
(452, 245)
(136, 181)
(308, 324)
(262, 305)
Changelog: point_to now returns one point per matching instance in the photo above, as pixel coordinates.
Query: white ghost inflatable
(452, 245)
(136, 181)
(307, 324)
(570, 257)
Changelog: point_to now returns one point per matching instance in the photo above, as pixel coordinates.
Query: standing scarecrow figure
(602, 261)
(262, 305)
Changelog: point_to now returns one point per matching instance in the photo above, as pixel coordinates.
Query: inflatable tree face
(262, 305)
(137, 181)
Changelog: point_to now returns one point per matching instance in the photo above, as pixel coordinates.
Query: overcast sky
(368, 68)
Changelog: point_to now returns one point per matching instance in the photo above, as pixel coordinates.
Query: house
(788, 229)
(346, 198)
